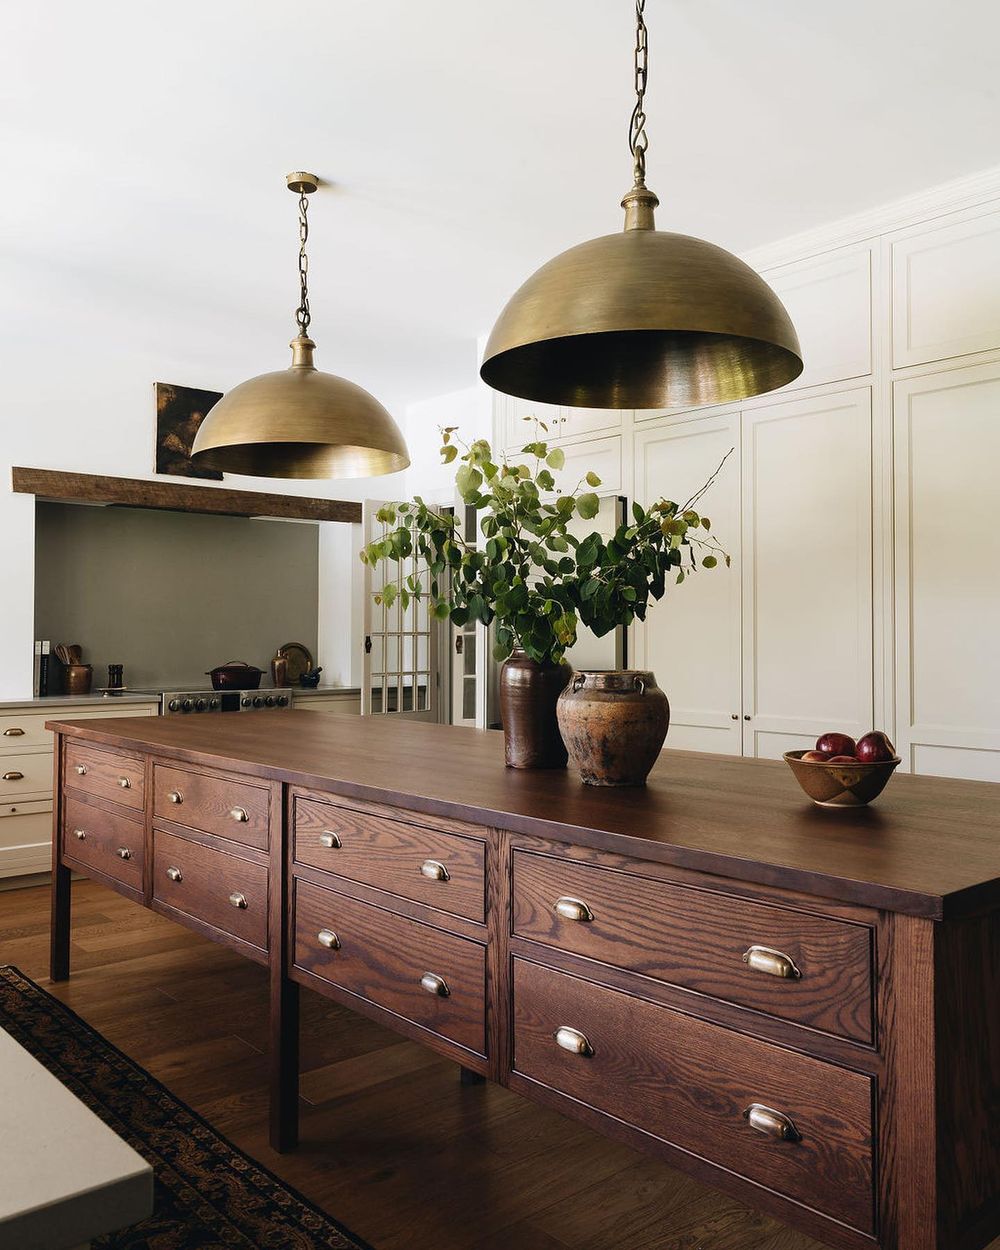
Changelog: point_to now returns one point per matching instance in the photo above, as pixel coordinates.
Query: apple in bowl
(840, 772)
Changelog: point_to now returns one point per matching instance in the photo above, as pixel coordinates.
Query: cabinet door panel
(579, 422)
(807, 571)
(947, 449)
(691, 638)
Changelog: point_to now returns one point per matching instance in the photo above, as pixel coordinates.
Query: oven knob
(174, 705)
(214, 705)
(258, 701)
(282, 700)
(270, 700)
(200, 705)
(246, 701)
(187, 705)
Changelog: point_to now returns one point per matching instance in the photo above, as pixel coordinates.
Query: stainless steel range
(179, 702)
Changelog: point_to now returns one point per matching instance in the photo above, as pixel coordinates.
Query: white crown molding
(947, 197)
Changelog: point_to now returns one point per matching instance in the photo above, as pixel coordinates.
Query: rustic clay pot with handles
(528, 695)
(613, 724)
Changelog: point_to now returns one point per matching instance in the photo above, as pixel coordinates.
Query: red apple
(843, 759)
(815, 757)
(836, 744)
(875, 747)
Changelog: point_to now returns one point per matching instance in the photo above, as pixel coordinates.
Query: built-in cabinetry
(857, 505)
(341, 702)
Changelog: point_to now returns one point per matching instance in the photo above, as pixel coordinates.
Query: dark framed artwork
(180, 410)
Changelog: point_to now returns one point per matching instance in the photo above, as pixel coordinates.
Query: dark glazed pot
(613, 724)
(528, 695)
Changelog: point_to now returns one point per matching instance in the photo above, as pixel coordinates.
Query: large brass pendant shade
(644, 318)
(298, 422)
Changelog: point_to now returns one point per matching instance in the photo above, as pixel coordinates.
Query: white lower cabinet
(947, 589)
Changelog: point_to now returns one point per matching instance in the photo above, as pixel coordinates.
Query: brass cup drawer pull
(13, 775)
(124, 853)
(329, 939)
(434, 870)
(239, 814)
(81, 770)
(175, 874)
(125, 783)
(574, 1041)
(434, 984)
(13, 732)
(330, 840)
(573, 909)
(175, 796)
(771, 1123)
(238, 900)
(774, 963)
(80, 834)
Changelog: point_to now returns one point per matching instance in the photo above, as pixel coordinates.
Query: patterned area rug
(208, 1194)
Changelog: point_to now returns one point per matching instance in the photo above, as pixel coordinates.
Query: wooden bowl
(840, 785)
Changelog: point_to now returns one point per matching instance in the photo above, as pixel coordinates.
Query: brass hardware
(239, 814)
(771, 1123)
(434, 984)
(81, 770)
(573, 1040)
(298, 422)
(368, 644)
(13, 775)
(644, 318)
(573, 909)
(125, 783)
(175, 874)
(331, 840)
(80, 834)
(774, 963)
(734, 716)
(13, 732)
(747, 716)
(124, 853)
(459, 644)
(175, 796)
(238, 900)
(434, 870)
(329, 939)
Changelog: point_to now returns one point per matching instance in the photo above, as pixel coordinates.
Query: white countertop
(74, 700)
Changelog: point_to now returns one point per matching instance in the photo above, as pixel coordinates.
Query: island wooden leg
(284, 1064)
(466, 1076)
(59, 933)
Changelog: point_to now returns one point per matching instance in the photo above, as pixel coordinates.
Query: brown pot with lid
(613, 724)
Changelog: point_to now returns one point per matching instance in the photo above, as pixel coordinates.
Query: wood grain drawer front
(698, 940)
(225, 891)
(443, 870)
(110, 842)
(108, 774)
(235, 810)
(431, 978)
(692, 1084)
(22, 775)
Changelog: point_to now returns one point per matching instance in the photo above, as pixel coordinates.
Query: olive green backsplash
(172, 594)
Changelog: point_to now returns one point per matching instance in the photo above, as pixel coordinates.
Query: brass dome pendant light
(299, 422)
(642, 319)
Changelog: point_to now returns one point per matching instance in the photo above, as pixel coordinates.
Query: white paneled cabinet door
(691, 638)
(807, 571)
(947, 466)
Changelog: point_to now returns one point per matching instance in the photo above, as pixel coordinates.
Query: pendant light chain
(302, 315)
(638, 141)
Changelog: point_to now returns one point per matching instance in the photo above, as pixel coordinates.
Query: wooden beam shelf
(128, 492)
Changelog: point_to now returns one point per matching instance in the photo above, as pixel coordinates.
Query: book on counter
(43, 661)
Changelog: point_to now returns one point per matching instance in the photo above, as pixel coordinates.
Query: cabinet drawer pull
(573, 1040)
(771, 1123)
(125, 783)
(238, 900)
(13, 732)
(332, 840)
(80, 834)
(81, 770)
(239, 814)
(573, 909)
(175, 874)
(124, 853)
(434, 870)
(14, 775)
(774, 963)
(329, 939)
(175, 796)
(434, 984)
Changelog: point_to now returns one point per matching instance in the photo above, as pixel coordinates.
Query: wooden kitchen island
(801, 1006)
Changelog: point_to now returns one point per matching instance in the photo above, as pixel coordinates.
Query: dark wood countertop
(929, 846)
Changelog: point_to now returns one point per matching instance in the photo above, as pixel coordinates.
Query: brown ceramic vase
(613, 724)
(528, 695)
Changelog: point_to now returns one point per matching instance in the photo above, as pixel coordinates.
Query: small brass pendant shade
(298, 422)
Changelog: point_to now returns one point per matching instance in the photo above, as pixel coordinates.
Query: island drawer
(443, 870)
(215, 887)
(692, 1084)
(108, 842)
(105, 773)
(213, 803)
(812, 970)
(431, 978)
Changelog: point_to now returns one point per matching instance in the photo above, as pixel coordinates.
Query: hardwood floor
(392, 1143)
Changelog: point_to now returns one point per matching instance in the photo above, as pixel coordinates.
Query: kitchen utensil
(63, 655)
(115, 676)
(851, 784)
(236, 675)
(298, 659)
(75, 652)
(309, 680)
(77, 678)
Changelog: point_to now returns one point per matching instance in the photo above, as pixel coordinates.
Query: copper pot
(613, 724)
(77, 678)
(528, 695)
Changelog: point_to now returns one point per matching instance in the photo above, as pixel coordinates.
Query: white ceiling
(144, 145)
